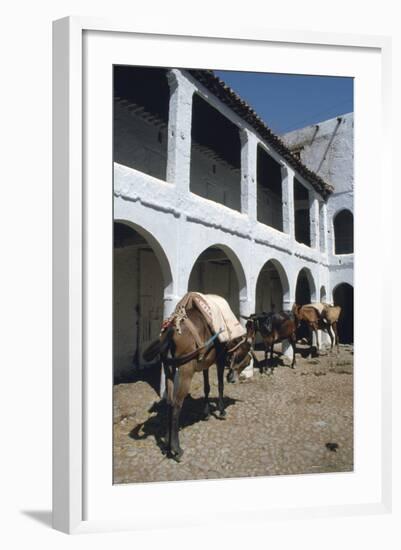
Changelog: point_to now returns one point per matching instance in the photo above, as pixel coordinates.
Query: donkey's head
(251, 326)
(239, 360)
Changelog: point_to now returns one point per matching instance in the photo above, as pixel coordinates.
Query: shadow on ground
(192, 412)
(149, 374)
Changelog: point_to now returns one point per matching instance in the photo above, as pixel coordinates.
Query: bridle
(237, 345)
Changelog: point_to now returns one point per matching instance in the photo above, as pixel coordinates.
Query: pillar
(287, 351)
(179, 131)
(314, 220)
(323, 227)
(287, 186)
(249, 144)
(169, 303)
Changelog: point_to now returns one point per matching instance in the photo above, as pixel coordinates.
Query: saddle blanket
(217, 314)
(317, 305)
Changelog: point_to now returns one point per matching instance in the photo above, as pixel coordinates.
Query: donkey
(273, 327)
(181, 357)
(330, 316)
(318, 316)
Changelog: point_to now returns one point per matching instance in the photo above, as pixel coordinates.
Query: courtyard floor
(291, 422)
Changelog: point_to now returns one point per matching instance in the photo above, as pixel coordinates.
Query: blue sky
(286, 102)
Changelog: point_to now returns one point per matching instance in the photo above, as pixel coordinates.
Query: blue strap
(213, 338)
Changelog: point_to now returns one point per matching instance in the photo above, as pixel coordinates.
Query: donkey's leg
(220, 380)
(317, 341)
(293, 342)
(310, 340)
(266, 363)
(336, 335)
(206, 387)
(169, 372)
(271, 357)
(314, 351)
(183, 384)
(330, 331)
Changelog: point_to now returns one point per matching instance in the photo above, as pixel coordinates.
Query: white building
(327, 149)
(207, 198)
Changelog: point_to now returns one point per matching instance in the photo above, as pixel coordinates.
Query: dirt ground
(290, 422)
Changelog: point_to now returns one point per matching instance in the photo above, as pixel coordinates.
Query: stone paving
(291, 422)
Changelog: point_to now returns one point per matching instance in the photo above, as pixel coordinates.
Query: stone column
(246, 307)
(287, 184)
(179, 131)
(249, 145)
(287, 351)
(169, 303)
(288, 302)
(323, 228)
(314, 220)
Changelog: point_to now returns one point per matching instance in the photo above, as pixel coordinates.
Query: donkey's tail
(158, 346)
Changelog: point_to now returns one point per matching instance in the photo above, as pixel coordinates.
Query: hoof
(206, 417)
(222, 414)
(164, 444)
(176, 455)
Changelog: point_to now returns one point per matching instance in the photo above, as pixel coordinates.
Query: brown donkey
(181, 357)
(273, 327)
(319, 316)
(330, 316)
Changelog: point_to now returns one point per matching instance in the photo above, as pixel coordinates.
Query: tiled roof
(228, 96)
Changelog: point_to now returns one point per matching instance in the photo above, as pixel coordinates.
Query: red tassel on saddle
(166, 323)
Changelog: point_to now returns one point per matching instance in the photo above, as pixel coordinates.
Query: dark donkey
(181, 357)
(273, 327)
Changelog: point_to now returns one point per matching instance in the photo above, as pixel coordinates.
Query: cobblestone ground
(275, 424)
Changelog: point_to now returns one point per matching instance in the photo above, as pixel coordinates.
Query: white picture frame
(72, 255)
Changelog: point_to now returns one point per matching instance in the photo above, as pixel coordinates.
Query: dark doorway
(344, 232)
(303, 295)
(303, 290)
(343, 296)
(137, 299)
(302, 216)
(269, 190)
(213, 273)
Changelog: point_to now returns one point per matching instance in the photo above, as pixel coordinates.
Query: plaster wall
(138, 143)
(269, 208)
(327, 149)
(215, 180)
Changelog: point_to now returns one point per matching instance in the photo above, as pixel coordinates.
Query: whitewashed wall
(328, 149)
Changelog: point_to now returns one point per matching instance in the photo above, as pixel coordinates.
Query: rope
(237, 345)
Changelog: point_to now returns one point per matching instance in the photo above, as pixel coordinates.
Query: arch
(343, 228)
(142, 280)
(217, 277)
(157, 249)
(323, 294)
(275, 295)
(305, 290)
(343, 296)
